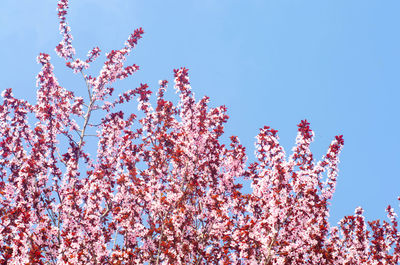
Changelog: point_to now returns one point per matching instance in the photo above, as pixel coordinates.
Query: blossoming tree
(162, 188)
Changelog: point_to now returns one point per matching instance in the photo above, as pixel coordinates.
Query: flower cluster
(64, 49)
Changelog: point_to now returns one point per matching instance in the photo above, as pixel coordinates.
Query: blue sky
(334, 63)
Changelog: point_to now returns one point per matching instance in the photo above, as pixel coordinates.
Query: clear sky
(334, 63)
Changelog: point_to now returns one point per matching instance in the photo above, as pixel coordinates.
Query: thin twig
(93, 135)
(115, 237)
(159, 242)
